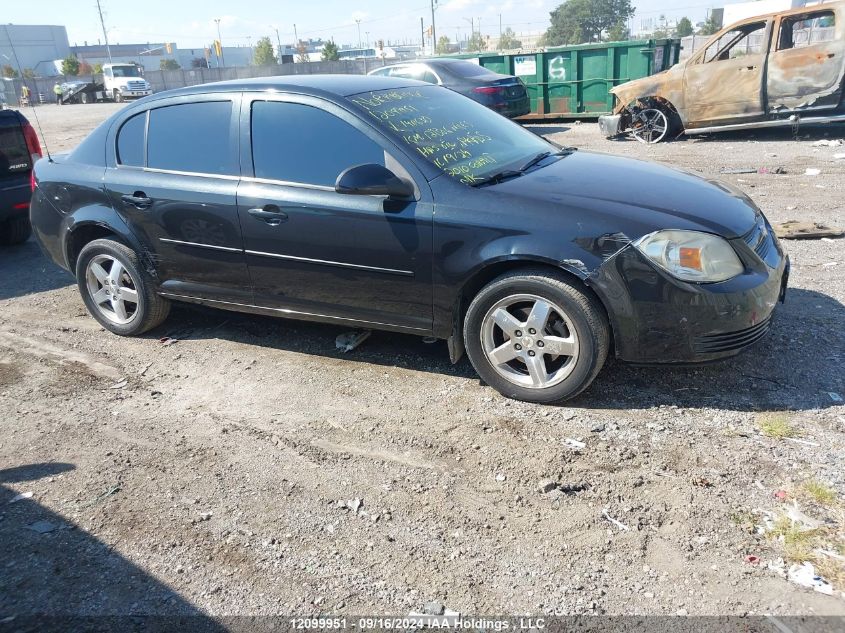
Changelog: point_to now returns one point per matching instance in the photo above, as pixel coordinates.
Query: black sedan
(385, 203)
(503, 93)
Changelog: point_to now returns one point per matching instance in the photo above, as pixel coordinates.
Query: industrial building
(35, 46)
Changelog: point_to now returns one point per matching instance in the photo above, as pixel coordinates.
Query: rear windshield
(14, 155)
(468, 69)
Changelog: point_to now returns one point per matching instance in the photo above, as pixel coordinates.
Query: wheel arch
(94, 227)
(491, 270)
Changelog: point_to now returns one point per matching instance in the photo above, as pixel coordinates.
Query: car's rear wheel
(534, 336)
(117, 290)
(15, 231)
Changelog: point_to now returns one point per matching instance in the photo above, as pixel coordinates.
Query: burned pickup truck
(782, 69)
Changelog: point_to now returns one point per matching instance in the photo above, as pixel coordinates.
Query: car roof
(338, 85)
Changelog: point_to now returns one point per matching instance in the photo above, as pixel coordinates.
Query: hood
(636, 197)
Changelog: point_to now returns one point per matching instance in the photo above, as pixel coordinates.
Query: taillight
(32, 143)
(489, 90)
(32, 179)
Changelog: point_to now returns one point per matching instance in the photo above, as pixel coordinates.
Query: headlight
(691, 256)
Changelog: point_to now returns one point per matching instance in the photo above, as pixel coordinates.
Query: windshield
(457, 135)
(125, 71)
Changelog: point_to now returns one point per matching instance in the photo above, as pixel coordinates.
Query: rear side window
(807, 30)
(130, 141)
(14, 155)
(297, 143)
(192, 137)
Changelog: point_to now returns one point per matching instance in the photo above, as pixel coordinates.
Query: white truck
(121, 81)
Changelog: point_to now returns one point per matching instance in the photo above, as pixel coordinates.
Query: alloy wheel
(650, 126)
(112, 289)
(530, 341)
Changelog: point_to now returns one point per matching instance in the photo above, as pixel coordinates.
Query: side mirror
(372, 180)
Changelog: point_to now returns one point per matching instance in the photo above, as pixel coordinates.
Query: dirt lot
(220, 474)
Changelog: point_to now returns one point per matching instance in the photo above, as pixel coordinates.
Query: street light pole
(279, 42)
(433, 28)
(220, 39)
(358, 22)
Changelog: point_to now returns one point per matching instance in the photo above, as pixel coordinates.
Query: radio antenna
(31, 104)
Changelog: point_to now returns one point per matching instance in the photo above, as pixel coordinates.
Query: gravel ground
(250, 468)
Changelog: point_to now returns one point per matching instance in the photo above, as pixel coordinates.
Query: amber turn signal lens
(690, 258)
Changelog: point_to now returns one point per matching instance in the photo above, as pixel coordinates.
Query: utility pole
(422, 36)
(279, 42)
(105, 33)
(433, 28)
(358, 22)
(295, 36)
(219, 39)
(500, 31)
(367, 33)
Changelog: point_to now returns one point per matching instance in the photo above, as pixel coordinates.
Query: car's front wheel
(117, 290)
(533, 335)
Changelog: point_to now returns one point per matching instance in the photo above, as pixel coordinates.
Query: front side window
(745, 40)
(807, 30)
(292, 142)
(192, 137)
(457, 135)
(130, 141)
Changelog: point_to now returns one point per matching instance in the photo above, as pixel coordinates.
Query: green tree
(98, 69)
(169, 64)
(70, 66)
(476, 43)
(579, 21)
(508, 40)
(264, 54)
(710, 27)
(684, 27)
(28, 73)
(443, 45)
(9, 72)
(618, 32)
(330, 53)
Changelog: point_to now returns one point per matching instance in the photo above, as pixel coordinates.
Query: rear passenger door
(317, 253)
(173, 178)
(807, 62)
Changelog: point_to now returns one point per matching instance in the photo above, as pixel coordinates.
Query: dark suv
(394, 204)
(19, 149)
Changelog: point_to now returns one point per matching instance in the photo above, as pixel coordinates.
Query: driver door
(725, 82)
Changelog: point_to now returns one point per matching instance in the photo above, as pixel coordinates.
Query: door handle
(748, 68)
(139, 200)
(271, 214)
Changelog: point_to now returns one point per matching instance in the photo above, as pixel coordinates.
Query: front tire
(118, 292)
(118, 96)
(533, 335)
(16, 231)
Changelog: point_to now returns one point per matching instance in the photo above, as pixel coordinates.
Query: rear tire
(535, 336)
(15, 231)
(117, 290)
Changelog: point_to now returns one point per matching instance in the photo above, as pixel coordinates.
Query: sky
(191, 24)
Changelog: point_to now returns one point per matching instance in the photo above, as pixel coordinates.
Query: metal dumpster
(569, 81)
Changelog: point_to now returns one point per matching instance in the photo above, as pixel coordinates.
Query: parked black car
(503, 93)
(384, 203)
(19, 149)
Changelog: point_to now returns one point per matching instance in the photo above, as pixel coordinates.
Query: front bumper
(136, 93)
(610, 125)
(659, 319)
